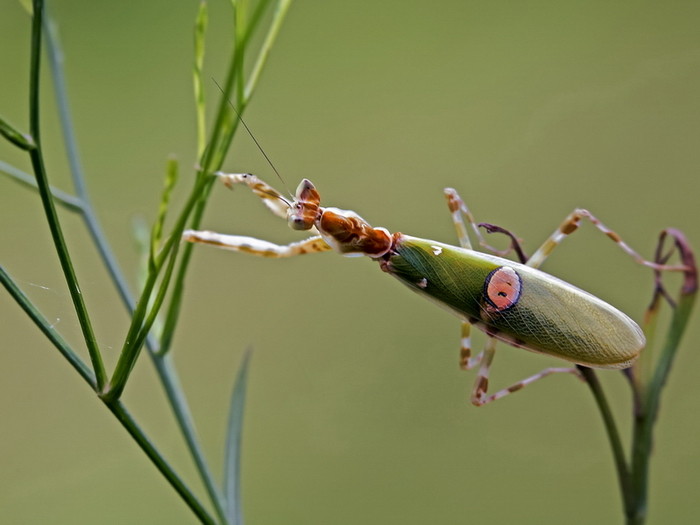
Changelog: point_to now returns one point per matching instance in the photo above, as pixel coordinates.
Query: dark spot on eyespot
(502, 288)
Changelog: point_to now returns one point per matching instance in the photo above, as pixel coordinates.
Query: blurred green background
(357, 411)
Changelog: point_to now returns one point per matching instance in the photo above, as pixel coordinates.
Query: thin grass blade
(47, 328)
(21, 140)
(171, 173)
(200, 29)
(232, 466)
(60, 197)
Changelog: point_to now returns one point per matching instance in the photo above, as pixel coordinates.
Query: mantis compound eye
(306, 208)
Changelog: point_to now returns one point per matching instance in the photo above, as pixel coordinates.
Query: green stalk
(116, 408)
(47, 329)
(142, 318)
(200, 28)
(215, 152)
(646, 415)
(623, 474)
(55, 59)
(278, 17)
(64, 199)
(166, 372)
(234, 437)
(121, 413)
(178, 402)
(47, 200)
(19, 139)
(634, 476)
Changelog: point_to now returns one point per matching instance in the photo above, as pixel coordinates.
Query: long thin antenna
(252, 136)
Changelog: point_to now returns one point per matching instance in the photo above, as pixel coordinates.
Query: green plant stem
(645, 418)
(649, 395)
(55, 60)
(47, 329)
(47, 200)
(116, 408)
(215, 152)
(170, 380)
(61, 197)
(278, 17)
(167, 373)
(121, 413)
(142, 317)
(623, 474)
(16, 137)
(234, 437)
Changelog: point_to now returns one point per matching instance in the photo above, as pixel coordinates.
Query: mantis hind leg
(483, 360)
(460, 211)
(479, 396)
(572, 223)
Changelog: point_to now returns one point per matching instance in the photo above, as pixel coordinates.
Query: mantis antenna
(250, 133)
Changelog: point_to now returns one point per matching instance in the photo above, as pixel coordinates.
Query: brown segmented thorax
(352, 234)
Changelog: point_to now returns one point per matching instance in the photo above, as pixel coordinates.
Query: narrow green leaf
(200, 29)
(143, 441)
(141, 237)
(232, 466)
(37, 160)
(47, 328)
(214, 153)
(623, 474)
(64, 199)
(27, 4)
(648, 395)
(21, 140)
(171, 173)
(275, 26)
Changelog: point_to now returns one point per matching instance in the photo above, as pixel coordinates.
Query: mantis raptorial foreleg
(278, 205)
(253, 246)
(272, 198)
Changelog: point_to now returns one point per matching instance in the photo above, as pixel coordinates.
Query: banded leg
(460, 212)
(485, 358)
(272, 198)
(466, 361)
(253, 246)
(479, 396)
(458, 209)
(572, 223)
(568, 226)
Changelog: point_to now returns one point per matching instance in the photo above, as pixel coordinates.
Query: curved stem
(47, 201)
(55, 59)
(121, 413)
(166, 372)
(623, 474)
(178, 402)
(47, 329)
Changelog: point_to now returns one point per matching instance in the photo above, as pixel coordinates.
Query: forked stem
(646, 385)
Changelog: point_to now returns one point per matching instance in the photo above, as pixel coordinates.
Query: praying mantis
(509, 301)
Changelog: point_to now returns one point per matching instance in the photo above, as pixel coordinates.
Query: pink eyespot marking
(502, 289)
